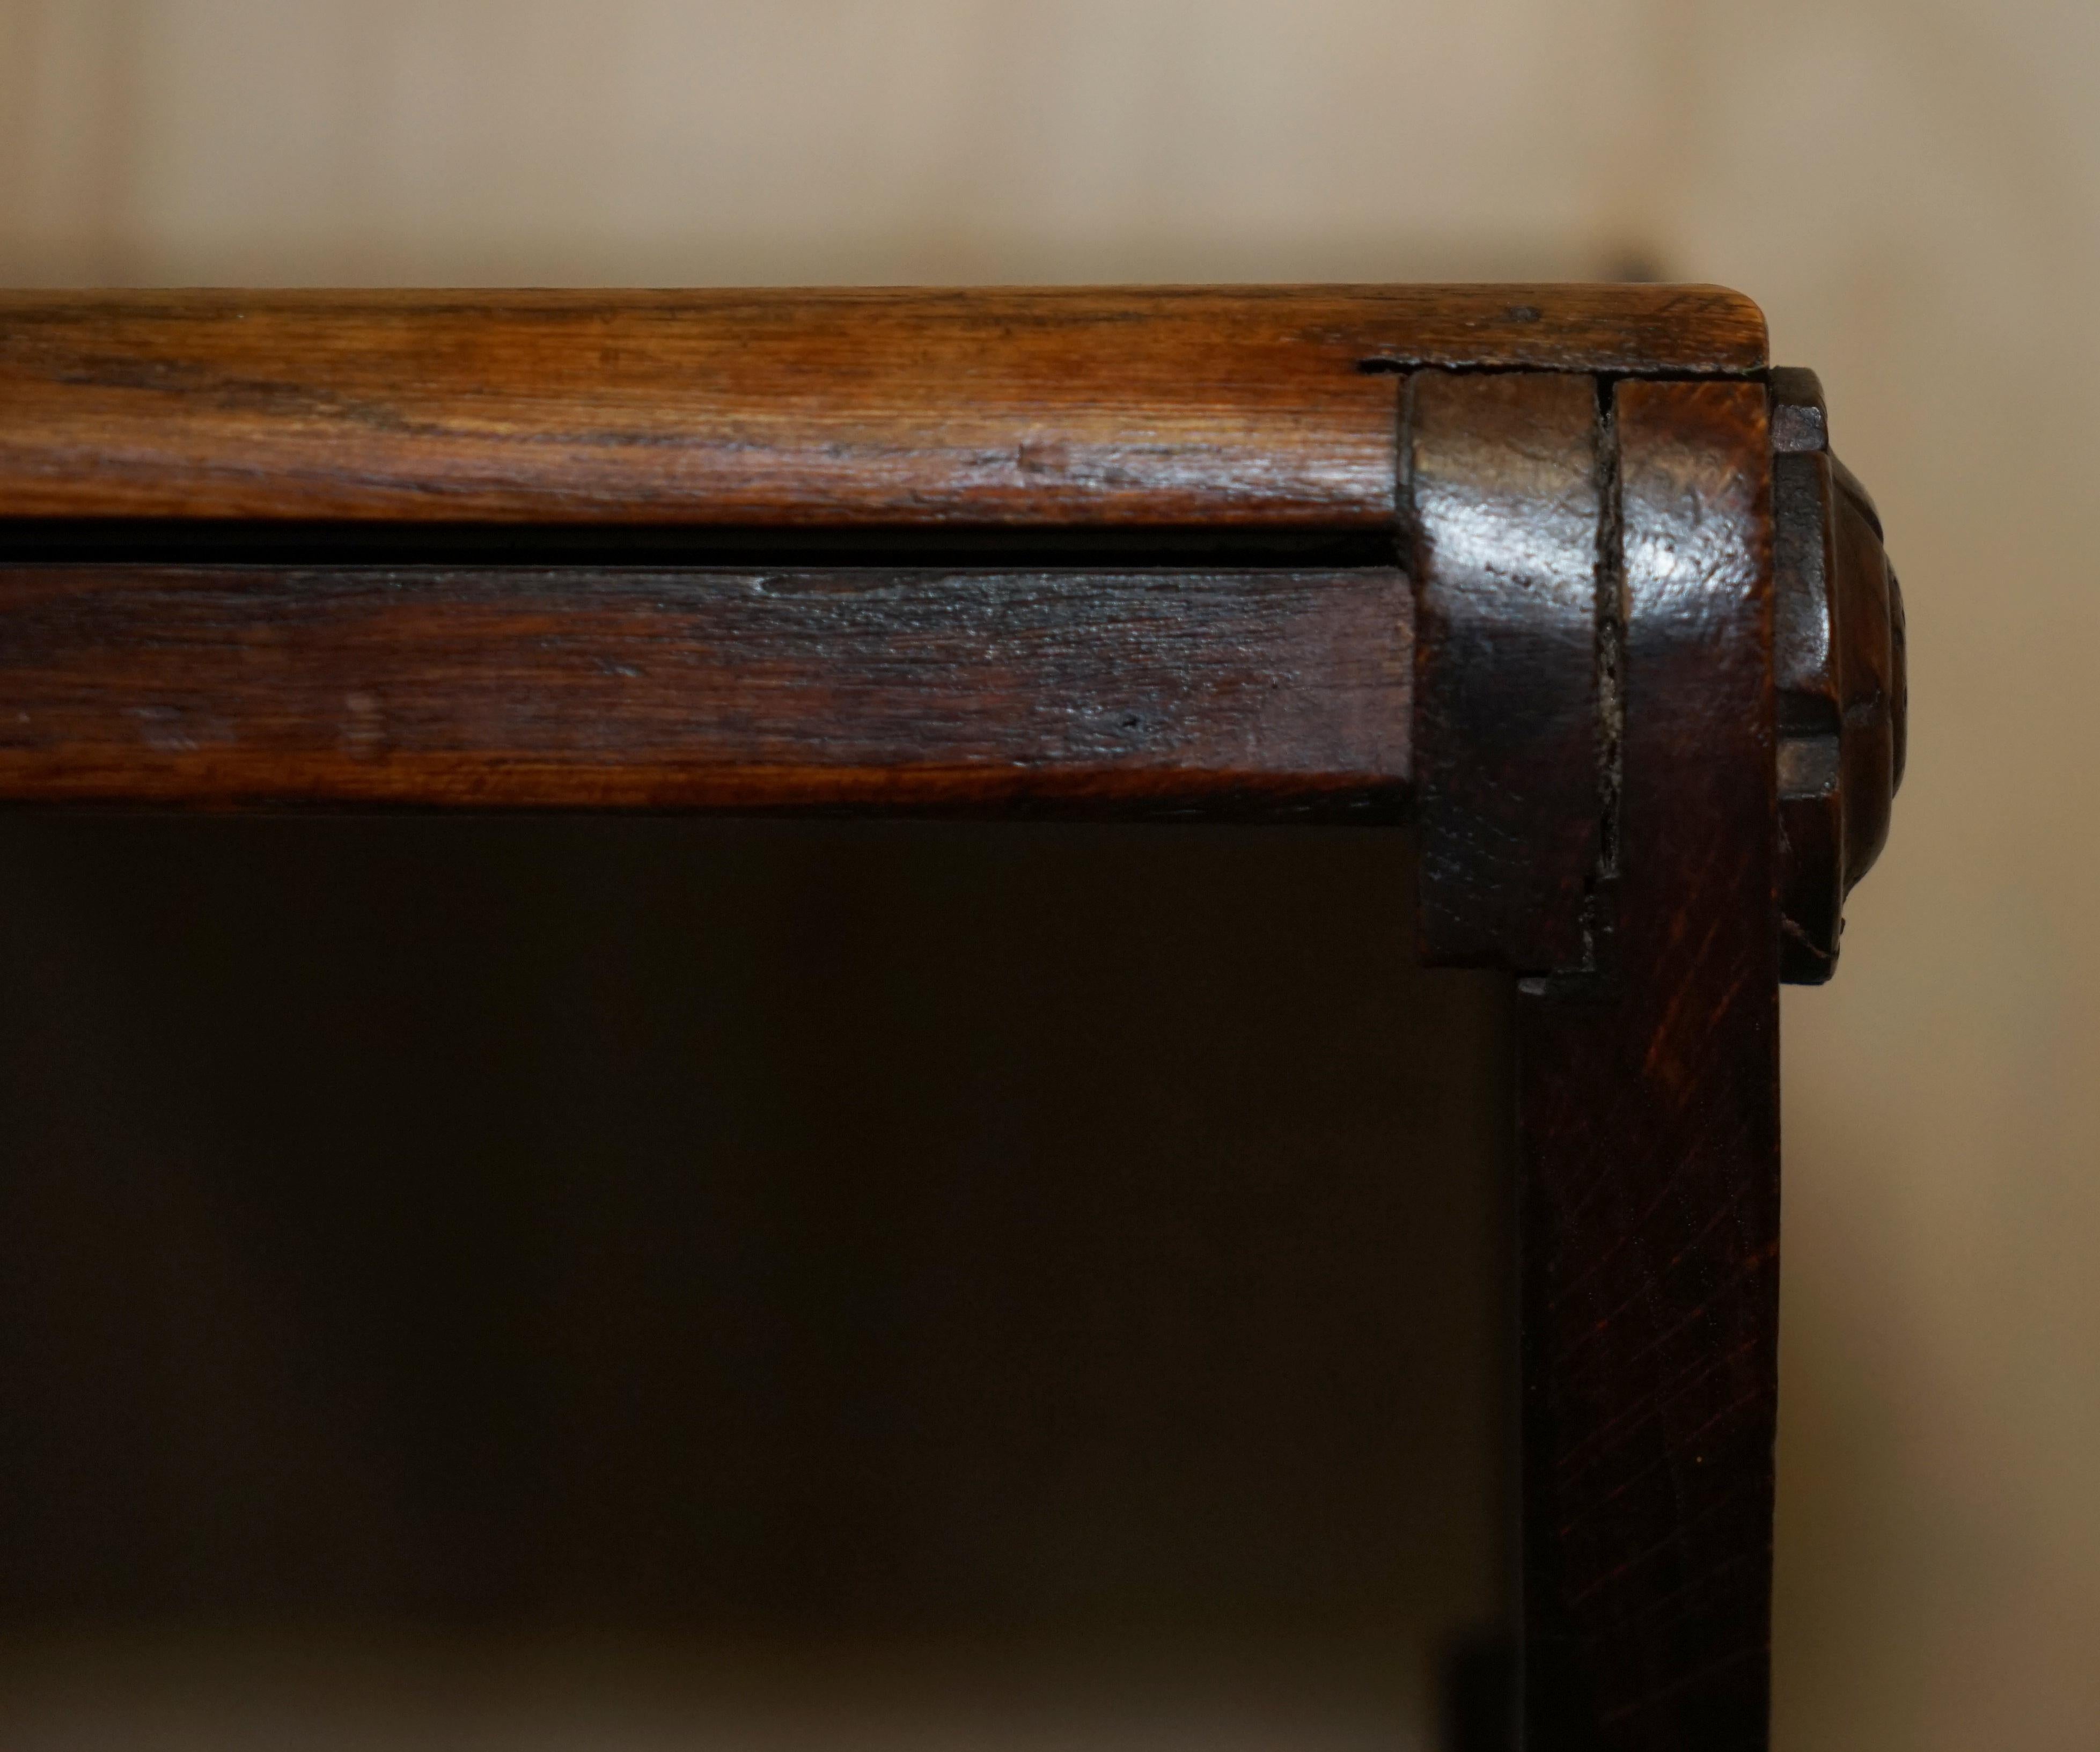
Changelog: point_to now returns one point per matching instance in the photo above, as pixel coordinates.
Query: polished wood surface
(817, 409)
(1507, 484)
(1230, 693)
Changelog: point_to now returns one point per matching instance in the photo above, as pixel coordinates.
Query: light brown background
(1913, 190)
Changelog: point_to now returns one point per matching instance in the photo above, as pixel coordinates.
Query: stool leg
(1648, 1221)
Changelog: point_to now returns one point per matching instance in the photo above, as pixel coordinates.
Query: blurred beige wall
(1913, 192)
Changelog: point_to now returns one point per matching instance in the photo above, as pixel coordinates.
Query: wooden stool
(1567, 575)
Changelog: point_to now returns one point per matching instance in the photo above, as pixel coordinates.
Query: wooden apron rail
(1139, 550)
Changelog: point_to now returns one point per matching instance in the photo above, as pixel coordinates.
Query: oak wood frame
(1498, 556)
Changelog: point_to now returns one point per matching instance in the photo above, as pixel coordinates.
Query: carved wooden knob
(1839, 664)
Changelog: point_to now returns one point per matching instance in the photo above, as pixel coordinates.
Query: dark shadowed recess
(343, 542)
(795, 1229)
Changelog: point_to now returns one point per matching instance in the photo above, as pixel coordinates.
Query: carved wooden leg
(1649, 1110)
(1595, 766)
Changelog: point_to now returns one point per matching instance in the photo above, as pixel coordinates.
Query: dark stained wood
(1253, 692)
(1838, 665)
(1506, 491)
(1648, 1096)
(1266, 406)
(339, 549)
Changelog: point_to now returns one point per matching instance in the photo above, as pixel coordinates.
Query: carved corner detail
(1839, 668)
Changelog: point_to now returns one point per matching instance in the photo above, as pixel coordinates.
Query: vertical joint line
(1406, 530)
(1610, 666)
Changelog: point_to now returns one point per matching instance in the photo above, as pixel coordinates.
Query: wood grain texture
(819, 409)
(1263, 692)
(1506, 499)
(1650, 1143)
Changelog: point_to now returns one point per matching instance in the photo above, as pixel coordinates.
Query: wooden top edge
(1696, 327)
(1041, 406)
(1632, 294)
